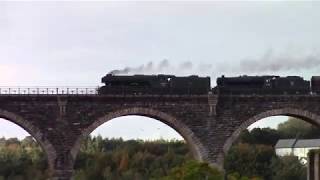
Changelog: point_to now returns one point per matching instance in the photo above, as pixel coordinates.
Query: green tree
(250, 160)
(22, 160)
(288, 167)
(116, 159)
(295, 127)
(265, 136)
(192, 170)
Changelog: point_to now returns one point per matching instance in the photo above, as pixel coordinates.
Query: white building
(296, 147)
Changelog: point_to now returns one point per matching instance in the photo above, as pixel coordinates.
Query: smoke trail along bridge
(59, 118)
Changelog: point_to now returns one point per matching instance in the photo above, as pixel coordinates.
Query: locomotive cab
(315, 84)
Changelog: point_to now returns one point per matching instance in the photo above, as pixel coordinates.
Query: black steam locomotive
(267, 85)
(170, 84)
(154, 84)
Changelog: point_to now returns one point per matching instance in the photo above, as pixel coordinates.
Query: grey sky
(75, 43)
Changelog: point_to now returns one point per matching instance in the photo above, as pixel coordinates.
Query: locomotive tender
(169, 84)
(154, 84)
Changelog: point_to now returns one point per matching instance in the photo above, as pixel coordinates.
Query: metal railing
(48, 90)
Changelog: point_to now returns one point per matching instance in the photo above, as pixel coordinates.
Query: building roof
(308, 143)
(285, 143)
(297, 143)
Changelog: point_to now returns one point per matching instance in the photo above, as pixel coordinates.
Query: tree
(295, 127)
(250, 160)
(20, 160)
(265, 136)
(253, 155)
(133, 159)
(124, 162)
(192, 170)
(288, 167)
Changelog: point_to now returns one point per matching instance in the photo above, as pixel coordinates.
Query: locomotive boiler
(154, 84)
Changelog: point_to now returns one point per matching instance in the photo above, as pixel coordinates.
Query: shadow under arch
(195, 145)
(34, 132)
(298, 113)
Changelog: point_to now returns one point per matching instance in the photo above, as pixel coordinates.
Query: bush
(192, 170)
(288, 167)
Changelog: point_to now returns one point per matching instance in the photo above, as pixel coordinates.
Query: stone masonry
(208, 123)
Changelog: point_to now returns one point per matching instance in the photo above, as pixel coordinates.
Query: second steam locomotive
(267, 85)
(170, 84)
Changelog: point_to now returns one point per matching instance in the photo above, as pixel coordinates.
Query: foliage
(192, 170)
(288, 167)
(117, 159)
(250, 160)
(253, 155)
(292, 128)
(265, 136)
(22, 160)
(236, 176)
(295, 127)
(98, 159)
(246, 161)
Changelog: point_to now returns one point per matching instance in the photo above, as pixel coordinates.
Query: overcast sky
(76, 43)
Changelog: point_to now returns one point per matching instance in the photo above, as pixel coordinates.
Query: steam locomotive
(154, 84)
(267, 85)
(170, 84)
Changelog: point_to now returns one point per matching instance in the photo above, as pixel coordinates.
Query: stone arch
(194, 143)
(34, 132)
(299, 113)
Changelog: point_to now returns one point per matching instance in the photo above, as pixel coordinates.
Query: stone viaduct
(209, 123)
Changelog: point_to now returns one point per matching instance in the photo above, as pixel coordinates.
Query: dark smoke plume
(161, 67)
(276, 63)
(268, 63)
(164, 65)
(186, 65)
